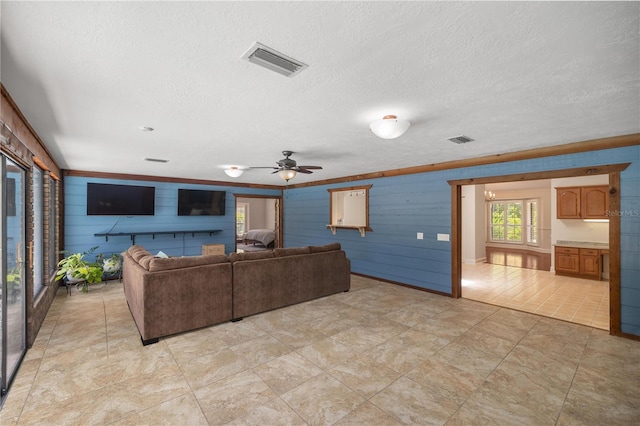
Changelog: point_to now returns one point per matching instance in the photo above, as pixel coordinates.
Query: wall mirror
(349, 208)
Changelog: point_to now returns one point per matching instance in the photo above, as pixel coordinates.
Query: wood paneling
(551, 151)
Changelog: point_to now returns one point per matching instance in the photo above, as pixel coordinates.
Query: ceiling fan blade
(310, 167)
(300, 170)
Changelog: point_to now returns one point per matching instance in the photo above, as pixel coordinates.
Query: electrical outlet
(420, 236)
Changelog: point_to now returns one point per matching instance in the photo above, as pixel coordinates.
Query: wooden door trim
(613, 170)
(280, 217)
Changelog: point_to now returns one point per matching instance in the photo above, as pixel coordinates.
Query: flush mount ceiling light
(389, 127)
(287, 174)
(233, 171)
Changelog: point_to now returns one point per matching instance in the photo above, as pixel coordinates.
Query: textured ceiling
(511, 75)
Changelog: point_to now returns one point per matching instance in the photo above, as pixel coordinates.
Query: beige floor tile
(298, 335)
(364, 375)
(234, 397)
(139, 394)
(322, 400)
(84, 408)
(286, 372)
(182, 410)
(430, 359)
(326, 353)
(274, 412)
(260, 350)
(368, 414)
(448, 380)
(540, 292)
(211, 367)
(407, 350)
(411, 403)
(469, 359)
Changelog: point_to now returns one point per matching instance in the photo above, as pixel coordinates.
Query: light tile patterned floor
(377, 355)
(540, 292)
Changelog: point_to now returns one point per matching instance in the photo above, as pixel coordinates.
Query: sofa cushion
(253, 255)
(145, 261)
(138, 252)
(326, 247)
(291, 251)
(164, 264)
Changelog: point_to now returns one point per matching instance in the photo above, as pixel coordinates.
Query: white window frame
(245, 207)
(529, 231)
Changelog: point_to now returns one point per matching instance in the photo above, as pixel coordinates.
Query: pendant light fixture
(389, 127)
(287, 174)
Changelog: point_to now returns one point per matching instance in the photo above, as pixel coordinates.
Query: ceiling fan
(288, 168)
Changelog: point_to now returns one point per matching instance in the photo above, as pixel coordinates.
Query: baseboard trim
(440, 293)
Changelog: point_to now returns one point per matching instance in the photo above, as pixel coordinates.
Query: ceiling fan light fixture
(233, 172)
(287, 174)
(389, 127)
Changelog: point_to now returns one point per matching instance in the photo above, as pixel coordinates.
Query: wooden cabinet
(578, 262)
(212, 249)
(590, 263)
(567, 260)
(568, 203)
(595, 202)
(582, 202)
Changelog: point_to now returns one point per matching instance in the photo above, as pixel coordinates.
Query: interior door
(13, 300)
(276, 226)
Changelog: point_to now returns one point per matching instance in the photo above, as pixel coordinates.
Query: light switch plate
(420, 236)
(443, 237)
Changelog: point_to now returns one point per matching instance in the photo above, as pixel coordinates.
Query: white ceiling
(511, 75)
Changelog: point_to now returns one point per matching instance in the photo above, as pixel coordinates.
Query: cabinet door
(595, 202)
(590, 262)
(568, 203)
(567, 260)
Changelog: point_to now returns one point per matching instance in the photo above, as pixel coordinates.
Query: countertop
(582, 244)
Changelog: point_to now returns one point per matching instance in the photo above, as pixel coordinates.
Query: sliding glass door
(12, 291)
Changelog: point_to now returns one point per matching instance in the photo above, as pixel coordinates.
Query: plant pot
(111, 267)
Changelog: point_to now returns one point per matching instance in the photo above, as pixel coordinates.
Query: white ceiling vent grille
(461, 139)
(273, 60)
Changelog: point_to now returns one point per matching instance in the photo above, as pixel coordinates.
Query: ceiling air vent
(461, 139)
(273, 60)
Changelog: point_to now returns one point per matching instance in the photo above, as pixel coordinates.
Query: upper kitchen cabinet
(568, 203)
(582, 202)
(595, 202)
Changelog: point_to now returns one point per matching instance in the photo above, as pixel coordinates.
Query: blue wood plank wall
(80, 229)
(401, 206)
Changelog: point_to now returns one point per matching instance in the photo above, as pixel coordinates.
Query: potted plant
(111, 265)
(75, 269)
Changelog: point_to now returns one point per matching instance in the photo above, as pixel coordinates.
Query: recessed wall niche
(349, 208)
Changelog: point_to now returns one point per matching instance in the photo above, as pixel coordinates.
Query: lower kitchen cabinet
(578, 262)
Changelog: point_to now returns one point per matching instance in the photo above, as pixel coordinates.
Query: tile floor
(377, 355)
(540, 292)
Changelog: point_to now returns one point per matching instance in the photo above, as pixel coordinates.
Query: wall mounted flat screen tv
(197, 202)
(120, 200)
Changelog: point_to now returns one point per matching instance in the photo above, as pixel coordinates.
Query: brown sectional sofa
(172, 295)
(267, 280)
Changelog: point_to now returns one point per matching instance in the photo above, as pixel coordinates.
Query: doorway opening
(258, 222)
(507, 272)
